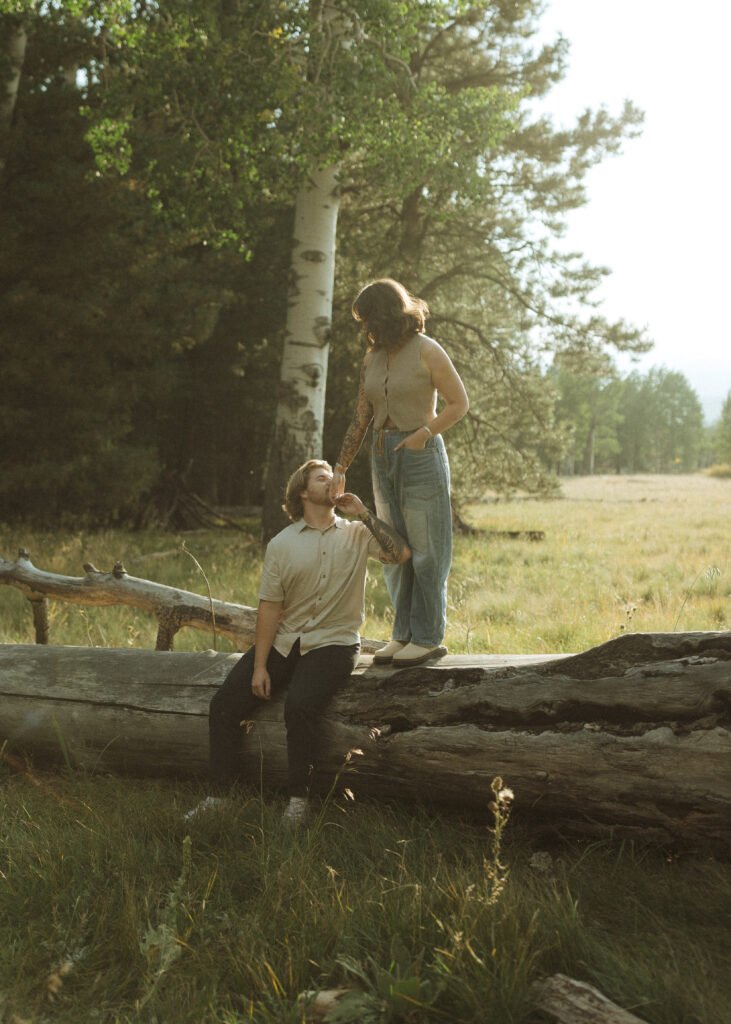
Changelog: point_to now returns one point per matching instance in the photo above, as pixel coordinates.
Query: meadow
(112, 909)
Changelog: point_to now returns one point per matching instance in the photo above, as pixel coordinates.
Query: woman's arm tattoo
(392, 544)
(358, 425)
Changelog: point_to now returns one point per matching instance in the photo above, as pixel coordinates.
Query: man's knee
(218, 706)
(298, 708)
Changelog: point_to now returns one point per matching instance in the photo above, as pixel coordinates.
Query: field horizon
(621, 553)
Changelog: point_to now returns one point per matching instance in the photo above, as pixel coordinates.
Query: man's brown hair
(298, 483)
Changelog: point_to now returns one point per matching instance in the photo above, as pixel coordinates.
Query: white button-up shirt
(319, 576)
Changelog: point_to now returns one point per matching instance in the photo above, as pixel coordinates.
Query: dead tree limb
(173, 608)
(567, 1001)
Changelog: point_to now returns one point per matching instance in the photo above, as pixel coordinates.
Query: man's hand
(350, 505)
(394, 548)
(261, 685)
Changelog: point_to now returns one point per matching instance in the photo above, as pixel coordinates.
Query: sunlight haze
(659, 214)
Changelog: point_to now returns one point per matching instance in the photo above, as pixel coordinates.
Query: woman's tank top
(402, 392)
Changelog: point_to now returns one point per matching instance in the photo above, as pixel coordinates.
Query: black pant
(311, 679)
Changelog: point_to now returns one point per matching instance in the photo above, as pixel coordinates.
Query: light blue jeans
(411, 489)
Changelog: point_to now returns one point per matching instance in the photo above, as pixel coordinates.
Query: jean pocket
(423, 473)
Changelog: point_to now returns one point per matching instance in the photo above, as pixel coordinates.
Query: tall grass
(620, 553)
(112, 909)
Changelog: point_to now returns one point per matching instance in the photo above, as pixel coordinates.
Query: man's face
(318, 488)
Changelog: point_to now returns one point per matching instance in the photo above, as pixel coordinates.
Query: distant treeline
(651, 423)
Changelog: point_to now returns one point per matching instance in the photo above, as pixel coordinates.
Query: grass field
(637, 553)
(112, 910)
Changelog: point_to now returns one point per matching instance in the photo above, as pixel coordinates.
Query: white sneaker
(385, 654)
(295, 813)
(210, 803)
(412, 654)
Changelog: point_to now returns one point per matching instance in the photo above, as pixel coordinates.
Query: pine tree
(723, 432)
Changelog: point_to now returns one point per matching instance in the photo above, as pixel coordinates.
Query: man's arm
(394, 548)
(267, 620)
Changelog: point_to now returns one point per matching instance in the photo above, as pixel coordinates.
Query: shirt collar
(302, 525)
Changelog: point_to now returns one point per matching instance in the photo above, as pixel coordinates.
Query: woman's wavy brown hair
(389, 313)
(298, 483)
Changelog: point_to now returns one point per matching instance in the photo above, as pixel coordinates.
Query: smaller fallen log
(567, 1001)
(173, 608)
(518, 534)
(460, 525)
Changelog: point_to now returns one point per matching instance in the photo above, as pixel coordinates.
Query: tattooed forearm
(358, 425)
(352, 441)
(394, 548)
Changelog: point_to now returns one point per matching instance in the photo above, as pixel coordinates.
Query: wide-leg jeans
(311, 679)
(411, 490)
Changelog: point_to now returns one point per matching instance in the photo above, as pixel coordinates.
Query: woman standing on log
(403, 372)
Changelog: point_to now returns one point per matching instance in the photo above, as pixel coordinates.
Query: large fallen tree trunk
(630, 738)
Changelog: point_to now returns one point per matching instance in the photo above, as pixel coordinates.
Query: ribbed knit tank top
(402, 392)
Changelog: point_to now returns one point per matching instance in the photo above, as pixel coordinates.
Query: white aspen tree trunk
(16, 44)
(301, 401)
(15, 48)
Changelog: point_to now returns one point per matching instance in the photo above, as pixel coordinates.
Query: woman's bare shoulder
(430, 349)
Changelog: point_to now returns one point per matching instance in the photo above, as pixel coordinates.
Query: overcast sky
(660, 213)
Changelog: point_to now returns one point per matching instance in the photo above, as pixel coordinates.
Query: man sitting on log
(311, 603)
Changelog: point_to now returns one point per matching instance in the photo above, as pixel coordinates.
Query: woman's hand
(337, 487)
(416, 441)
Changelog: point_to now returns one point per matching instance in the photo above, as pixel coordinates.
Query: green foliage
(66, 422)
(476, 236)
(123, 347)
(147, 204)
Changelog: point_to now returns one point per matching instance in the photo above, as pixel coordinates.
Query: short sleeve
(270, 588)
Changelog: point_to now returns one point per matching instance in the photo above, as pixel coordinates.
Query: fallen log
(630, 738)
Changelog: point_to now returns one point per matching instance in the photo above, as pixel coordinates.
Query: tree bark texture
(303, 375)
(629, 739)
(565, 1000)
(174, 608)
(15, 46)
